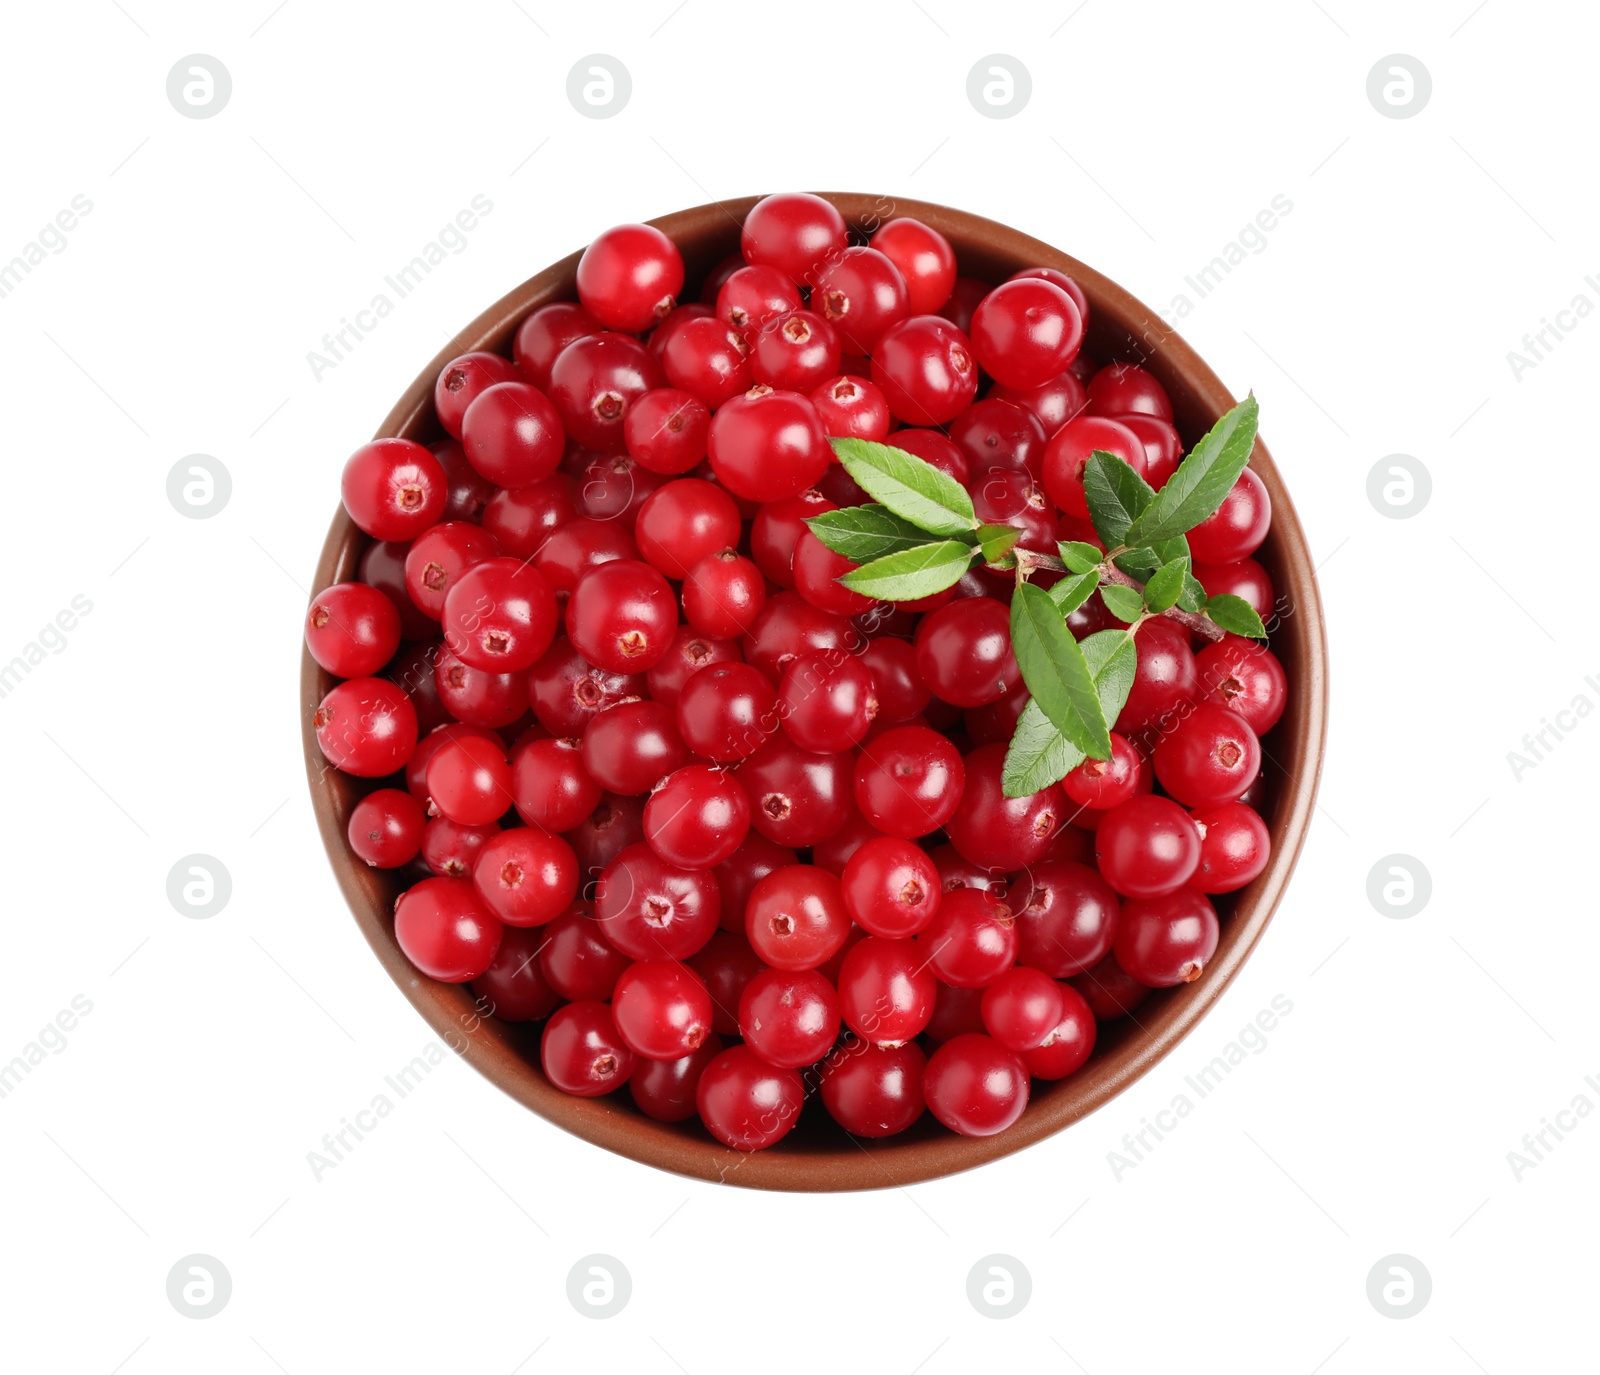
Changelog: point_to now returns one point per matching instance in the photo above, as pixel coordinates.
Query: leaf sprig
(921, 535)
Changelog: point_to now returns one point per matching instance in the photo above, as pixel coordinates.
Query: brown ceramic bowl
(817, 1155)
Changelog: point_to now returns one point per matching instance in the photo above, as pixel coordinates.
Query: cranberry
(1147, 846)
(1052, 403)
(1000, 832)
(630, 277)
(1164, 941)
(688, 653)
(1026, 331)
(1102, 783)
(1022, 1008)
(576, 961)
(1246, 578)
(886, 992)
(975, 1086)
(665, 1089)
(897, 684)
(551, 787)
(582, 1052)
(995, 433)
(937, 448)
(632, 747)
(956, 1012)
(768, 445)
(708, 359)
(776, 530)
(512, 434)
(836, 850)
(909, 781)
(651, 910)
(753, 296)
(1068, 453)
(873, 1091)
(385, 828)
(1234, 847)
(964, 652)
(793, 232)
(439, 556)
(568, 692)
(1209, 757)
(852, 407)
(697, 817)
(1071, 1040)
(615, 823)
(796, 798)
(1109, 991)
(727, 712)
(499, 615)
(1015, 499)
(613, 487)
(795, 917)
(746, 1103)
(578, 546)
(666, 429)
(1163, 449)
(477, 696)
(891, 887)
(1058, 278)
(726, 963)
(787, 626)
(352, 630)
(817, 570)
(469, 781)
(790, 1018)
(925, 259)
(661, 1009)
(1164, 680)
(861, 293)
(594, 381)
(525, 876)
(450, 850)
(797, 351)
(723, 594)
(622, 616)
(972, 939)
(462, 380)
(1235, 529)
(924, 366)
(1067, 920)
(366, 726)
(1245, 677)
(684, 521)
(826, 701)
(393, 489)
(431, 744)
(738, 875)
(1120, 389)
(444, 930)
(512, 988)
(545, 333)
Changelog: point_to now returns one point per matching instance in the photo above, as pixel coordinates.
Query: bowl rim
(1122, 327)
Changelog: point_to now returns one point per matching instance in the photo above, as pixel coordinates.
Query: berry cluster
(662, 772)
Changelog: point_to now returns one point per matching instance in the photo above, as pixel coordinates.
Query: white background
(1377, 320)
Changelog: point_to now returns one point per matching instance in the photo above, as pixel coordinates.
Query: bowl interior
(818, 1155)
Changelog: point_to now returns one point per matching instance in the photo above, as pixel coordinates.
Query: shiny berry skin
(1246, 579)
(972, 939)
(1067, 918)
(925, 259)
(1071, 1040)
(853, 408)
(666, 429)
(1208, 758)
(797, 798)
(512, 987)
(632, 747)
(1102, 783)
(582, 1052)
(751, 297)
(440, 555)
(1244, 677)
(1051, 403)
(525, 876)
(790, 1018)
(611, 487)
(964, 652)
(897, 684)
(861, 294)
(925, 368)
(1147, 846)
(665, 1089)
(795, 917)
(651, 910)
(594, 381)
(1235, 846)
(890, 887)
(886, 990)
(956, 1012)
(1026, 331)
(768, 445)
(738, 875)
(1109, 991)
(576, 961)
(1163, 448)
(512, 435)
(499, 615)
(792, 231)
(777, 528)
(522, 519)
(468, 491)
(689, 652)
(384, 566)
(1164, 680)
(629, 277)
(908, 781)
(995, 433)
(727, 711)
(697, 817)
(366, 727)
(477, 696)
(1058, 278)
(975, 1086)
(723, 594)
(797, 351)
(622, 616)
(545, 333)
(567, 692)
(873, 1091)
(462, 380)
(661, 1009)
(1235, 529)
(684, 521)
(469, 781)
(1022, 1008)
(937, 448)
(1000, 832)
(450, 849)
(1120, 389)
(817, 570)
(386, 827)
(443, 929)
(551, 787)
(680, 315)
(1167, 940)
(394, 489)
(826, 701)
(787, 626)
(352, 629)
(746, 1103)
(709, 360)
(616, 823)
(1068, 451)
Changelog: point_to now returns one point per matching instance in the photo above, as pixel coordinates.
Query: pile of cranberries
(734, 832)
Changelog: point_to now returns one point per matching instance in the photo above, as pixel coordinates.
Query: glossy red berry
(826, 701)
(723, 594)
(1164, 681)
(788, 626)
(576, 960)
(567, 692)
(776, 529)
(1026, 331)
(366, 726)
(853, 408)
(383, 566)
(1208, 758)
(793, 232)
(1235, 846)
(1066, 920)
(1102, 783)
(908, 781)
(1000, 832)
(462, 380)
(1120, 389)
(499, 615)
(1070, 1042)
(611, 487)
(595, 380)
(1235, 529)
(393, 489)
(897, 683)
(469, 781)
(352, 629)
(1147, 846)
(512, 987)
(797, 798)
(890, 887)
(697, 817)
(1022, 1008)
(767, 445)
(512, 434)
(937, 448)
(1163, 448)
(450, 850)
(964, 652)
(750, 297)
(385, 828)
(525, 876)
(1068, 452)
(665, 1089)
(551, 787)
(975, 1086)
(629, 277)
(440, 555)
(999, 434)
(1167, 940)
(666, 430)
(1052, 403)
(709, 360)
(1245, 677)
(746, 1103)
(622, 616)
(925, 259)
(443, 929)
(886, 990)
(1246, 579)
(796, 351)
(582, 1052)
(861, 293)
(661, 1009)
(476, 696)
(545, 333)
(926, 370)
(817, 571)
(616, 823)
(972, 939)
(688, 653)
(633, 746)
(684, 522)
(790, 1018)
(795, 917)
(873, 1091)
(651, 910)
(727, 711)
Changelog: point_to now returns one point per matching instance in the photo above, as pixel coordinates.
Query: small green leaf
(1039, 755)
(909, 486)
(996, 541)
(1166, 585)
(1193, 596)
(1054, 669)
(1117, 495)
(1236, 614)
(912, 573)
(1142, 562)
(1112, 658)
(1122, 602)
(1074, 590)
(1080, 556)
(1203, 479)
(865, 533)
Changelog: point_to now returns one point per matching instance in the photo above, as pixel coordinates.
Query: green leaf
(1122, 602)
(911, 573)
(1039, 755)
(1236, 614)
(1203, 479)
(1112, 658)
(1193, 596)
(1073, 591)
(1166, 585)
(909, 486)
(1142, 562)
(1117, 496)
(865, 533)
(1080, 556)
(996, 541)
(1055, 671)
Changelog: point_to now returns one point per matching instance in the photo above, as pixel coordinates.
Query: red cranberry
(512, 434)
(665, 1089)
(897, 684)
(790, 1018)
(708, 359)
(972, 939)
(352, 629)
(1164, 941)
(1208, 758)
(612, 487)
(873, 1091)
(995, 433)
(1026, 331)
(995, 722)
(439, 556)
(578, 546)
(385, 828)
(1068, 453)
(366, 727)
(1246, 578)
(852, 407)
(1109, 991)
(1069, 1044)
(753, 296)
(469, 781)
(632, 747)
(444, 930)
(963, 301)
(796, 798)
(526, 877)
(629, 277)
(689, 652)
(1067, 920)
(817, 570)
(1022, 1008)
(1234, 847)
(727, 712)
(1147, 847)
(512, 988)
(1163, 449)
(615, 823)
(726, 963)
(661, 1009)
(909, 781)
(715, 278)
(797, 351)
(622, 616)
(723, 594)
(462, 380)
(450, 850)
(666, 429)
(768, 445)
(925, 259)
(777, 528)
(925, 368)
(393, 489)
(567, 691)
(793, 232)
(937, 448)
(552, 789)
(975, 1086)
(545, 333)
(477, 696)
(1015, 499)
(826, 701)
(795, 917)
(384, 566)
(746, 1103)
(890, 887)
(964, 652)
(576, 961)
(1235, 530)
(738, 875)
(1058, 278)
(651, 910)
(787, 626)
(886, 992)
(1245, 677)
(1102, 783)
(1164, 680)
(594, 381)
(1000, 832)
(1052, 403)
(697, 817)
(1120, 389)
(683, 522)
(499, 615)
(956, 1012)
(582, 1053)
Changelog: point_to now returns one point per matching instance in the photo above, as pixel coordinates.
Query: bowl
(818, 1155)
